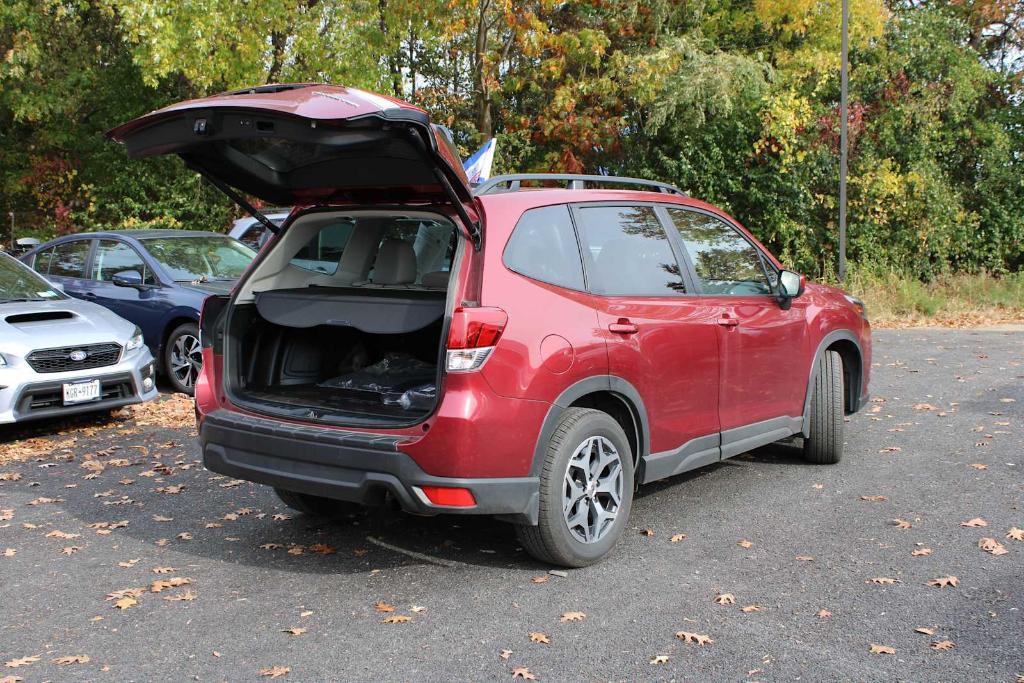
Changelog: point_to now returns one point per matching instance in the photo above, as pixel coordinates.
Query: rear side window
(323, 252)
(628, 252)
(543, 247)
(724, 261)
(69, 259)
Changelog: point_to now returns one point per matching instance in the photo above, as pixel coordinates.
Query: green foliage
(736, 101)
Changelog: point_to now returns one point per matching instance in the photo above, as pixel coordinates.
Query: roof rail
(572, 181)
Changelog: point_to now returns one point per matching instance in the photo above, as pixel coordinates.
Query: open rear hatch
(303, 144)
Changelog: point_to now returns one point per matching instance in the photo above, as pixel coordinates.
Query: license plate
(80, 392)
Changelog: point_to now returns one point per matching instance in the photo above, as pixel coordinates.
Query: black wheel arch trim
(618, 387)
(859, 397)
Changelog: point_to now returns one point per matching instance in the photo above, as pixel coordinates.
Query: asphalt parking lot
(121, 559)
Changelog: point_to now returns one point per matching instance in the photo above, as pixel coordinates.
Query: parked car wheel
(824, 444)
(315, 506)
(183, 358)
(586, 491)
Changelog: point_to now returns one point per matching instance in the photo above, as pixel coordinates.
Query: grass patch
(954, 300)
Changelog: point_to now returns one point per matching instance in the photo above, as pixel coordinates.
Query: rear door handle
(623, 326)
(728, 322)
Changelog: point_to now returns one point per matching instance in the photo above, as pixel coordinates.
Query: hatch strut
(472, 227)
(234, 196)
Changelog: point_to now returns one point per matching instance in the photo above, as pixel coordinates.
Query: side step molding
(705, 450)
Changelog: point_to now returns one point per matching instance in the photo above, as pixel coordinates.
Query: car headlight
(136, 340)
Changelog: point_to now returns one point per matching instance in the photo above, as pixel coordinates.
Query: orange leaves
(163, 584)
(21, 661)
(396, 619)
(882, 580)
(725, 599)
(901, 524)
(976, 522)
(382, 606)
(524, 673)
(294, 631)
(676, 538)
(72, 659)
(572, 616)
(942, 645)
(991, 545)
(744, 543)
(882, 649)
(540, 638)
(275, 671)
(126, 602)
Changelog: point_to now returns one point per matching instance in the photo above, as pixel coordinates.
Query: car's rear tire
(316, 506)
(588, 464)
(183, 358)
(824, 443)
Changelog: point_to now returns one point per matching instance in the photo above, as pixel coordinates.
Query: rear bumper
(358, 467)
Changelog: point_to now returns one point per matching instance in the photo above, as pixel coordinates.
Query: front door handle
(623, 326)
(726, 321)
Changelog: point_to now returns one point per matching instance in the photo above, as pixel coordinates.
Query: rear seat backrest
(395, 265)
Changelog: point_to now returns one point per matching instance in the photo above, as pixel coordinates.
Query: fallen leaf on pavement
(676, 538)
(942, 645)
(991, 545)
(979, 466)
(926, 631)
(573, 616)
(647, 532)
(924, 406)
(72, 659)
(416, 609)
(396, 619)
(823, 614)
(697, 638)
(10, 552)
(976, 522)
(901, 524)
(539, 579)
(922, 552)
(804, 558)
(725, 599)
(659, 659)
(750, 608)
(382, 606)
(882, 580)
(524, 673)
(874, 499)
(882, 649)
(125, 603)
(71, 549)
(163, 584)
(275, 671)
(22, 661)
(188, 596)
(505, 654)
(295, 631)
(538, 637)
(1015, 534)
(322, 548)
(163, 570)
(128, 564)
(60, 534)
(944, 581)
(744, 543)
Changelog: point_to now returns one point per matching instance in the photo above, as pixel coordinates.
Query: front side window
(201, 258)
(113, 257)
(628, 252)
(543, 247)
(69, 259)
(724, 261)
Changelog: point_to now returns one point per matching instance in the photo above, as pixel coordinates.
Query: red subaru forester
(532, 354)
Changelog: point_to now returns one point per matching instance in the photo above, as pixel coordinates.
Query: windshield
(190, 259)
(18, 282)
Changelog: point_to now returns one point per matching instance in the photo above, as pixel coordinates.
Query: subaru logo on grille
(78, 355)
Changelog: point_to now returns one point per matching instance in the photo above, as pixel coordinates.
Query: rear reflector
(449, 497)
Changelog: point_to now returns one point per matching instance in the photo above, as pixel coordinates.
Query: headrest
(395, 264)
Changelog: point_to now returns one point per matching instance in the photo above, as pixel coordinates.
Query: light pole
(843, 141)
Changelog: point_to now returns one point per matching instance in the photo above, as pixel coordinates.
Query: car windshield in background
(190, 259)
(20, 283)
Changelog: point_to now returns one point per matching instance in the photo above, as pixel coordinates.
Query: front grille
(59, 360)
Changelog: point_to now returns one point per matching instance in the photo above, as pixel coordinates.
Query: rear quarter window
(543, 247)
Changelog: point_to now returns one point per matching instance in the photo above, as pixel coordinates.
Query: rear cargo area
(349, 330)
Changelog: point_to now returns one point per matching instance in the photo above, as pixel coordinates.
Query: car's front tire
(824, 443)
(316, 506)
(183, 358)
(586, 491)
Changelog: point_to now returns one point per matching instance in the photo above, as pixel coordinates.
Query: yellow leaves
(540, 638)
(275, 671)
(695, 638)
(944, 581)
(524, 673)
(396, 619)
(572, 616)
(725, 599)
(882, 649)
(942, 645)
(126, 602)
(976, 522)
(21, 661)
(382, 606)
(991, 545)
(72, 659)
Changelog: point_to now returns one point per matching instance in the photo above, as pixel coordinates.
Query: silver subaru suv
(60, 355)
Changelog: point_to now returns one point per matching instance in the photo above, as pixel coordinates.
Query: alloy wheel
(186, 359)
(592, 491)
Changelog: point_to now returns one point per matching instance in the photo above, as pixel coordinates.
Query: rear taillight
(472, 336)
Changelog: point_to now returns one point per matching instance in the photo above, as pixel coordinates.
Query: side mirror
(127, 278)
(791, 285)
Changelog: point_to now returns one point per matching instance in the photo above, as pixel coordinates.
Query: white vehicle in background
(254, 234)
(60, 355)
